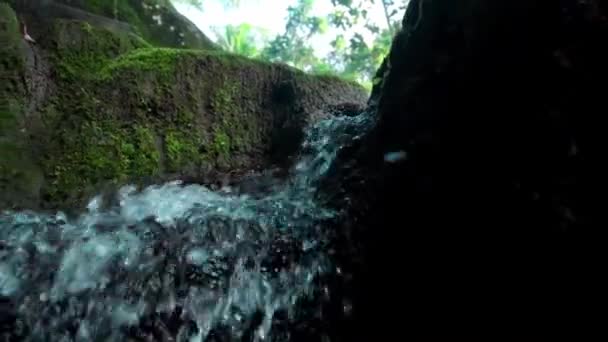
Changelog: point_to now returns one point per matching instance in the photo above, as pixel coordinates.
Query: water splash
(198, 258)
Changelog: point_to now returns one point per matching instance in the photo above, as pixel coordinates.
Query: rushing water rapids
(200, 260)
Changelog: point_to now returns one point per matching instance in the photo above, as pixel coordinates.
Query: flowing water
(193, 259)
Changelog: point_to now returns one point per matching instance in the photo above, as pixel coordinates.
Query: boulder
(157, 21)
(488, 217)
(90, 108)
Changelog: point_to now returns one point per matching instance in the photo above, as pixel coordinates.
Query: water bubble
(197, 256)
(347, 307)
(395, 157)
(8, 282)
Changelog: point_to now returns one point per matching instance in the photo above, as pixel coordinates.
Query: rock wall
(91, 108)
(18, 172)
(489, 220)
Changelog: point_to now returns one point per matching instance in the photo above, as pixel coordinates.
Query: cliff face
(489, 217)
(90, 106)
(18, 174)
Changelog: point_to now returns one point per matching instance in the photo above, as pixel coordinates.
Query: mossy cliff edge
(87, 107)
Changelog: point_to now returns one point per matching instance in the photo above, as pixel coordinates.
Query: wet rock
(348, 109)
(473, 220)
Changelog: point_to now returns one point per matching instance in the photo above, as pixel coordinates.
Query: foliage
(293, 47)
(199, 3)
(161, 60)
(352, 57)
(349, 12)
(242, 39)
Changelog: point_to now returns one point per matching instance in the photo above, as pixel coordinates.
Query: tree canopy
(199, 3)
(353, 54)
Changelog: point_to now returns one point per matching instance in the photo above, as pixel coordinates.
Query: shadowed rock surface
(487, 218)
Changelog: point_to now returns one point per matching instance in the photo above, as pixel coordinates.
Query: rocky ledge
(89, 106)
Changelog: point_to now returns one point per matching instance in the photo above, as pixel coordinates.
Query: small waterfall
(182, 260)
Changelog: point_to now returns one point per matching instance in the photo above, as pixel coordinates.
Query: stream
(177, 262)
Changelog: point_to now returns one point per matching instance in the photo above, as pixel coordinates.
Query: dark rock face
(488, 219)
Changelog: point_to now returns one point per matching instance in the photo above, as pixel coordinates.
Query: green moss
(183, 150)
(18, 175)
(86, 27)
(165, 61)
(223, 100)
(12, 59)
(140, 157)
(11, 155)
(332, 78)
(99, 152)
(10, 38)
(184, 119)
(93, 144)
(234, 131)
(221, 143)
(90, 146)
(8, 118)
(224, 106)
(20, 178)
(161, 61)
(82, 50)
(120, 109)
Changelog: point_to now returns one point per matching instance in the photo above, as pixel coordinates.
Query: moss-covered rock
(117, 110)
(157, 21)
(19, 172)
